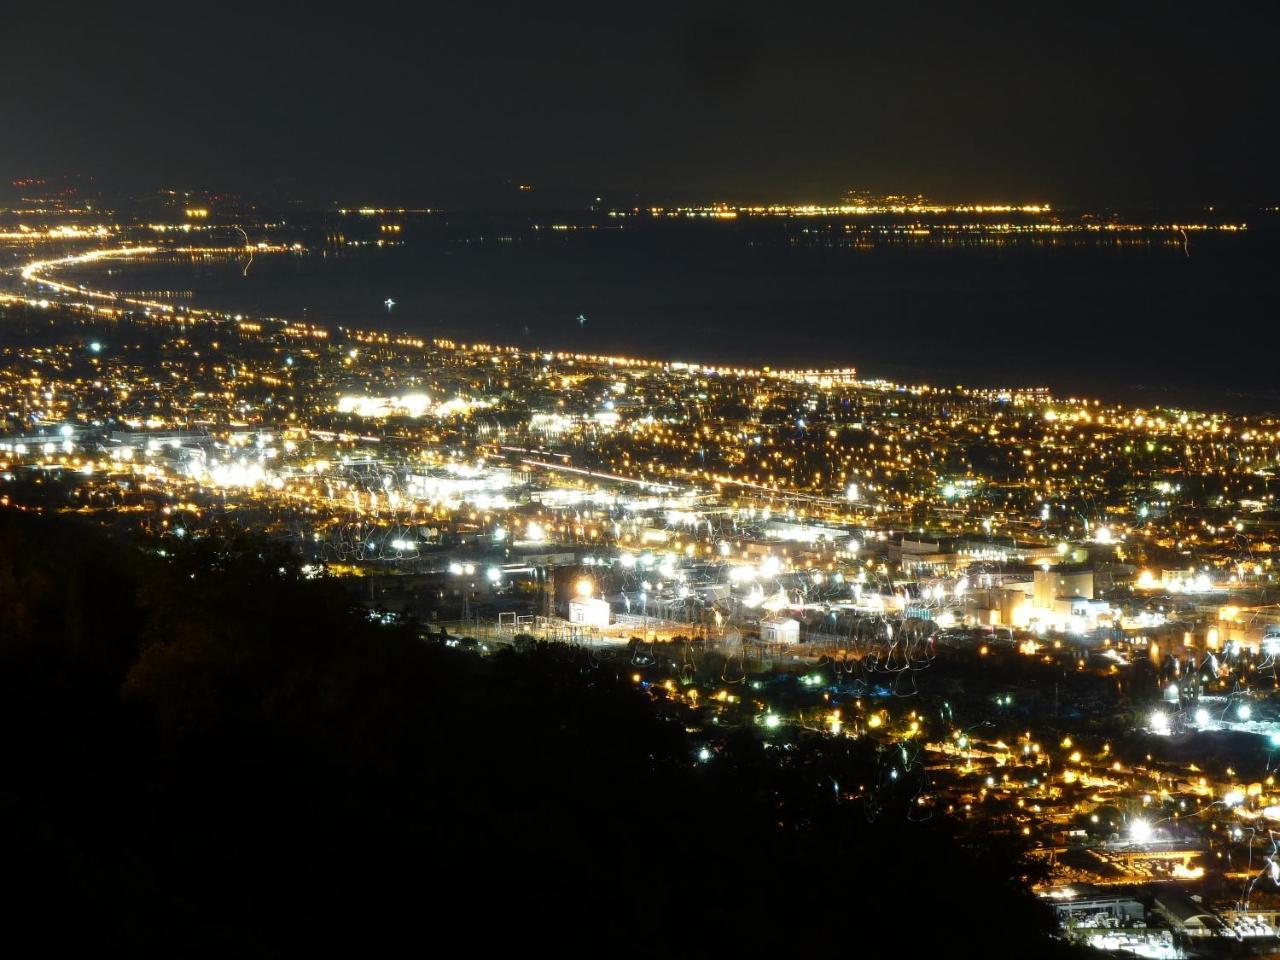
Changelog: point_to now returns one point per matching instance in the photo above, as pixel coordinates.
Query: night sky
(1118, 103)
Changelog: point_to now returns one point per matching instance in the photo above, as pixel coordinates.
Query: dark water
(1139, 321)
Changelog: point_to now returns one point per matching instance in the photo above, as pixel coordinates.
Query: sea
(1152, 318)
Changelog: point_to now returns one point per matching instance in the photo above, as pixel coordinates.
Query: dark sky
(1071, 103)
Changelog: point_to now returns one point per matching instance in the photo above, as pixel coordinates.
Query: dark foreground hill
(208, 755)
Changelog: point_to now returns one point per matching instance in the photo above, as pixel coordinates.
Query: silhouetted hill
(206, 754)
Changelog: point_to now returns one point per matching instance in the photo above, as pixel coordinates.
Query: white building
(780, 630)
(589, 612)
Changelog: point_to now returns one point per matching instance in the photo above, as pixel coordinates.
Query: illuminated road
(39, 272)
(36, 272)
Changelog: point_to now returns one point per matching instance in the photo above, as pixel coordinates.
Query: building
(1187, 915)
(589, 612)
(1052, 584)
(780, 630)
(1083, 904)
(953, 555)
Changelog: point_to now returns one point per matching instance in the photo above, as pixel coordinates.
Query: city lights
(984, 584)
